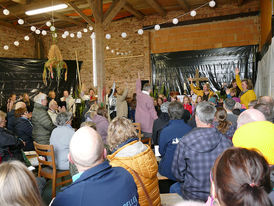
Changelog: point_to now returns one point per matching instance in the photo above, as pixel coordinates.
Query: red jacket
(188, 107)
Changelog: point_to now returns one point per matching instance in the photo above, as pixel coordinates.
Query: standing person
(11, 102)
(186, 104)
(135, 157)
(170, 136)
(121, 104)
(97, 183)
(42, 124)
(206, 93)
(229, 105)
(60, 138)
(247, 93)
(145, 111)
(132, 106)
(195, 155)
(70, 102)
(28, 102)
(23, 128)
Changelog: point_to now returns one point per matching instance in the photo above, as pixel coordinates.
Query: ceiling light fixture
(46, 9)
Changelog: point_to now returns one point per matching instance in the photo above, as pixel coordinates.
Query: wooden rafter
(155, 5)
(80, 13)
(97, 9)
(113, 11)
(67, 19)
(133, 11)
(184, 5)
(20, 1)
(240, 2)
(6, 24)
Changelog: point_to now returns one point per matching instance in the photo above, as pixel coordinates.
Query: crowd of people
(215, 151)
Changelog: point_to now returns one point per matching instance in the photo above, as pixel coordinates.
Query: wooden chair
(47, 167)
(140, 136)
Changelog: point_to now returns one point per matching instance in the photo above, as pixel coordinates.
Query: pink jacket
(145, 111)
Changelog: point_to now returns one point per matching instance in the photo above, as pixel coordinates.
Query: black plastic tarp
(25, 75)
(171, 70)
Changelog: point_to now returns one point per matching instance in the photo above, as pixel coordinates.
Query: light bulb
(85, 30)
(124, 35)
(117, 53)
(175, 21)
(107, 47)
(52, 28)
(90, 28)
(64, 36)
(72, 35)
(37, 31)
(44, 32)
(79, 34)
(112, 51)
(26, 38)
(193, 13)
(48, 23)
(16, 43)
(66, 33)
(32, 28)
(6, 12)
(140, 31)
(54, 35)
(6, 47)
(212, 3)
(108, 36)
(157, 27)
(20, 21)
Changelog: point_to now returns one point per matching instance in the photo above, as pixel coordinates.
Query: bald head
(86, 148)
(250, 115)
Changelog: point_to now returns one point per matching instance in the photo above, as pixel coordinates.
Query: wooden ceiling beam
(157, 7)
(185, 6)
(114, 9)
(133, 11)
(21, 1)
(80, 13)
(97, 10)
(240, 2)
(67, 19)
(6, 24)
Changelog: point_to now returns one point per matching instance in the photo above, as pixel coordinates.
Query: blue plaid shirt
(193, 159)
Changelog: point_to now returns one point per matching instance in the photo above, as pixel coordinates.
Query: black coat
(11, 120)
(158, 125)
(23, 129)
(10, 146)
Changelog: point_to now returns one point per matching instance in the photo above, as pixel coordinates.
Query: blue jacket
(101, 185)
(168, 143)
(23, 129)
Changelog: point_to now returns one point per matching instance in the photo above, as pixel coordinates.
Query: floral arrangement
(55, 61)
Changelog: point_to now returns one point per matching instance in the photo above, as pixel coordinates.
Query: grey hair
(146, 87)
(39, 98)
(205, 112)
(175, 110)
(62, 118)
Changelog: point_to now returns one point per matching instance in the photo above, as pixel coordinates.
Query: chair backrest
(46, 151)
(138, 128)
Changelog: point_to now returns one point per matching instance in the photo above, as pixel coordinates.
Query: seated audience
(247, 93)
(11, 119)
(10, 146)
(145, 111)
(42, 124)
(60, 139)
(160, 123)
(222, 124)
(255, 132)
(97, 183)
(195, 155)
(250, 115)
(240, 177)
(170, 136)
(252, 104)
(121, 104)
(160, 101)
(23, 128)
(11, 102)
(186, 104)
(99, 117)
(70, 102)
(53, 111)
(266, 110)
(267, 100)
(229, 106)
(18, 185)
(232, 93)
(134, 156)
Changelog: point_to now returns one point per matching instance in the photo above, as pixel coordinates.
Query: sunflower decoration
(55, 61)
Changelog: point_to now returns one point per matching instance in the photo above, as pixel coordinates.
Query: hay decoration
(55, 61)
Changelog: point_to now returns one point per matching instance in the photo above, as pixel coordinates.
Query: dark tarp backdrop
(170, 71)
(25, 76)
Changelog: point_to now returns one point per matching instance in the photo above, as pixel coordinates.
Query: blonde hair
(18, 185)
(2, 115)
(119, 130)
(93, 110)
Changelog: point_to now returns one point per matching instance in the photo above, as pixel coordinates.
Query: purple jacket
(145, 111)
(101, 126)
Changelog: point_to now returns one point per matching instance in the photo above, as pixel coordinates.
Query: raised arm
(138, 84)
(196, 91)
(238, 80)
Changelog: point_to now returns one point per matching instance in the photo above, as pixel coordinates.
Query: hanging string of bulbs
(50, 25)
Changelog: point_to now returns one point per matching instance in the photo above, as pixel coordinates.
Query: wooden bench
(170, 199)
(160, 177)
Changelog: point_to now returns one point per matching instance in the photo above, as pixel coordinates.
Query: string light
(6, 12)
(124, 35)
(193, 13)
(26, 38)
(157, 27)
(32, 28)
(48, 23)
(6, 47)
(44, 32)
(140, 31)
(37, 31)
(108, 36)
(212, 3)
(16, 43)
(175, 21)
(20, 21)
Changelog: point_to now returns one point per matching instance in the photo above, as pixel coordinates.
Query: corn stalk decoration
(55, 61)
